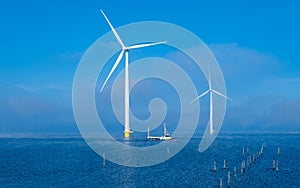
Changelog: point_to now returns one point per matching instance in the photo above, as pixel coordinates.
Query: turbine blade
(113, 30)
(145, 45)
(218, 93)
(200, 95)
(113, 68)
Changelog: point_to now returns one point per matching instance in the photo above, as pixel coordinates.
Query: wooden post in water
(220, 182)
(248, 164)
(228, 181)
(103, 160)
(242, 170)
(234, 173)
(215, 166)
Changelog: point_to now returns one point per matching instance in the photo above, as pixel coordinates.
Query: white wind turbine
(125, 49)
(211, 91)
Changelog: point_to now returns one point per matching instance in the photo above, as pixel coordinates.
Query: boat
(166, 136)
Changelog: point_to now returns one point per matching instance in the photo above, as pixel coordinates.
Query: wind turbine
(211, 91)
(125, 49)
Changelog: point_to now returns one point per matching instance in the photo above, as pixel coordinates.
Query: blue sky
(256, 44)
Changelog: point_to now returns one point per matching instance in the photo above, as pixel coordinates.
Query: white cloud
(237, 60)
(283, 81)
(26, 88)
(63, 86)
(71, 56)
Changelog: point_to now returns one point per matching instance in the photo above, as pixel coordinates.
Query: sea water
(67, 161)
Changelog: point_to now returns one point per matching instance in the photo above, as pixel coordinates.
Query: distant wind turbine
(211, 91)
(125, 49)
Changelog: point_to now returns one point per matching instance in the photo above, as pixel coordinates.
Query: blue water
(68, 162)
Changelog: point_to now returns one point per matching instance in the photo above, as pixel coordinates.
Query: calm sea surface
(68, 162)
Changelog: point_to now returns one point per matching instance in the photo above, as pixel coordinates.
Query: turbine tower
(125, 49)
(211, 91)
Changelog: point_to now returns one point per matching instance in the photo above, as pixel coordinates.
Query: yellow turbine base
(212, 131)
(126, 134)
